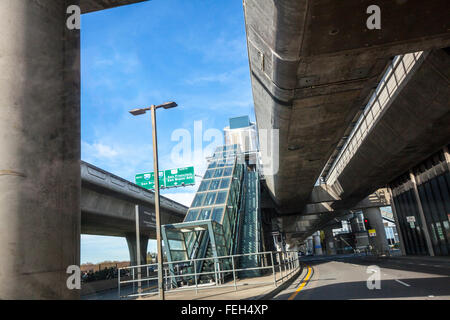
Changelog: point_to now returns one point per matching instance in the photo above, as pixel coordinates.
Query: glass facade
(209, 227)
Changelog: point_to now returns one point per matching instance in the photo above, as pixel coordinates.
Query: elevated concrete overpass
(108, 209)
(108, 205)
(314, 67)
(413, 126)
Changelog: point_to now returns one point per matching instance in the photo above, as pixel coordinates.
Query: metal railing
(225, 274)
(393, 81)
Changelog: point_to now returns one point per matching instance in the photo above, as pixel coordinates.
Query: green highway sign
(179, 177)
(147, 180)
(167, 179)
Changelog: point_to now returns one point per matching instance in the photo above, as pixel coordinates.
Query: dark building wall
(432, 180)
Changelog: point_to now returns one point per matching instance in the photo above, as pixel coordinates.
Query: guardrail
(225, 273)
(393, 81)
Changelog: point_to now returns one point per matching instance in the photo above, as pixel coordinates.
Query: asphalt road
(344, 278)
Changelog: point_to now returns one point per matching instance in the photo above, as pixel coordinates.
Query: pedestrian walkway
(246, 289)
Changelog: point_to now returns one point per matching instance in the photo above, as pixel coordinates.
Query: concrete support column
(317, 245)
(397, 225)
(422, 215)
(39, 149)
(309, 245)
(329, 241)
(379, 242)
(131, 241)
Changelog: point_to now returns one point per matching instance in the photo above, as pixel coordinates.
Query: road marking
(302, 285)
(405, 284)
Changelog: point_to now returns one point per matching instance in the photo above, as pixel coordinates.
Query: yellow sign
(372, 232)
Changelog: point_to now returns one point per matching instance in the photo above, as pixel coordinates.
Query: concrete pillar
(379, 242)
(426, 232)
(309, 245)
(329, 241)
(39, 150)
(397, 224)
(131, 241)
(317, 245)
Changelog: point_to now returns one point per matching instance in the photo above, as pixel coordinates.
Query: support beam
(397, 224)
(131, 242)
(40, 150)
(424, 224)
(379, 242)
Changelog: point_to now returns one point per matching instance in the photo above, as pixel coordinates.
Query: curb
(281, 287)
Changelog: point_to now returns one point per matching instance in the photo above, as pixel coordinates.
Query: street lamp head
(168, 105)
(138, 112)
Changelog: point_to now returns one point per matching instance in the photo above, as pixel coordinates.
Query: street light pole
(137, 112)
(157, 213)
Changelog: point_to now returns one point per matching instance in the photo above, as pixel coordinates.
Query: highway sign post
(172, 178)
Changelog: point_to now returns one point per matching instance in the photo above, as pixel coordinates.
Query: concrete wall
(39, 148)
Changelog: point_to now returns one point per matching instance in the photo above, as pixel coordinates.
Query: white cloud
(99, 150)
(185, 198)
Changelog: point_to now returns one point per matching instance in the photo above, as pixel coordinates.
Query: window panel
(225, 183)
(218, 214)
(221, 197)
(228, 171)
(176, 245)
(208, 174)
(204, 185)
(214, 184)
(212, 165)
(218, 173)
(205, 214)
(192, 215)
(210, 198)
(198, 200)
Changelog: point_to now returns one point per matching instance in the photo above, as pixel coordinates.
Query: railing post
(273, 270)
(215, 271)
(234, 273)
(195, 276)
(280, 260)
(119, 282)
(133, 279)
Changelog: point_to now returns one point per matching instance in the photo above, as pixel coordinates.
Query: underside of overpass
(88, 6)
(313, 72)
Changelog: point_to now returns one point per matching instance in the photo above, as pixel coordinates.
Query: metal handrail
(286, 263)
(358, 134)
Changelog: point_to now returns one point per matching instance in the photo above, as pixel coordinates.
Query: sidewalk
(444, 259)
(246, 289)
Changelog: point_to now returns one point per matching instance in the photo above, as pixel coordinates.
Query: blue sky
(192, 52)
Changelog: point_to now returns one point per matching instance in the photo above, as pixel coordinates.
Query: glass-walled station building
(210, 228)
